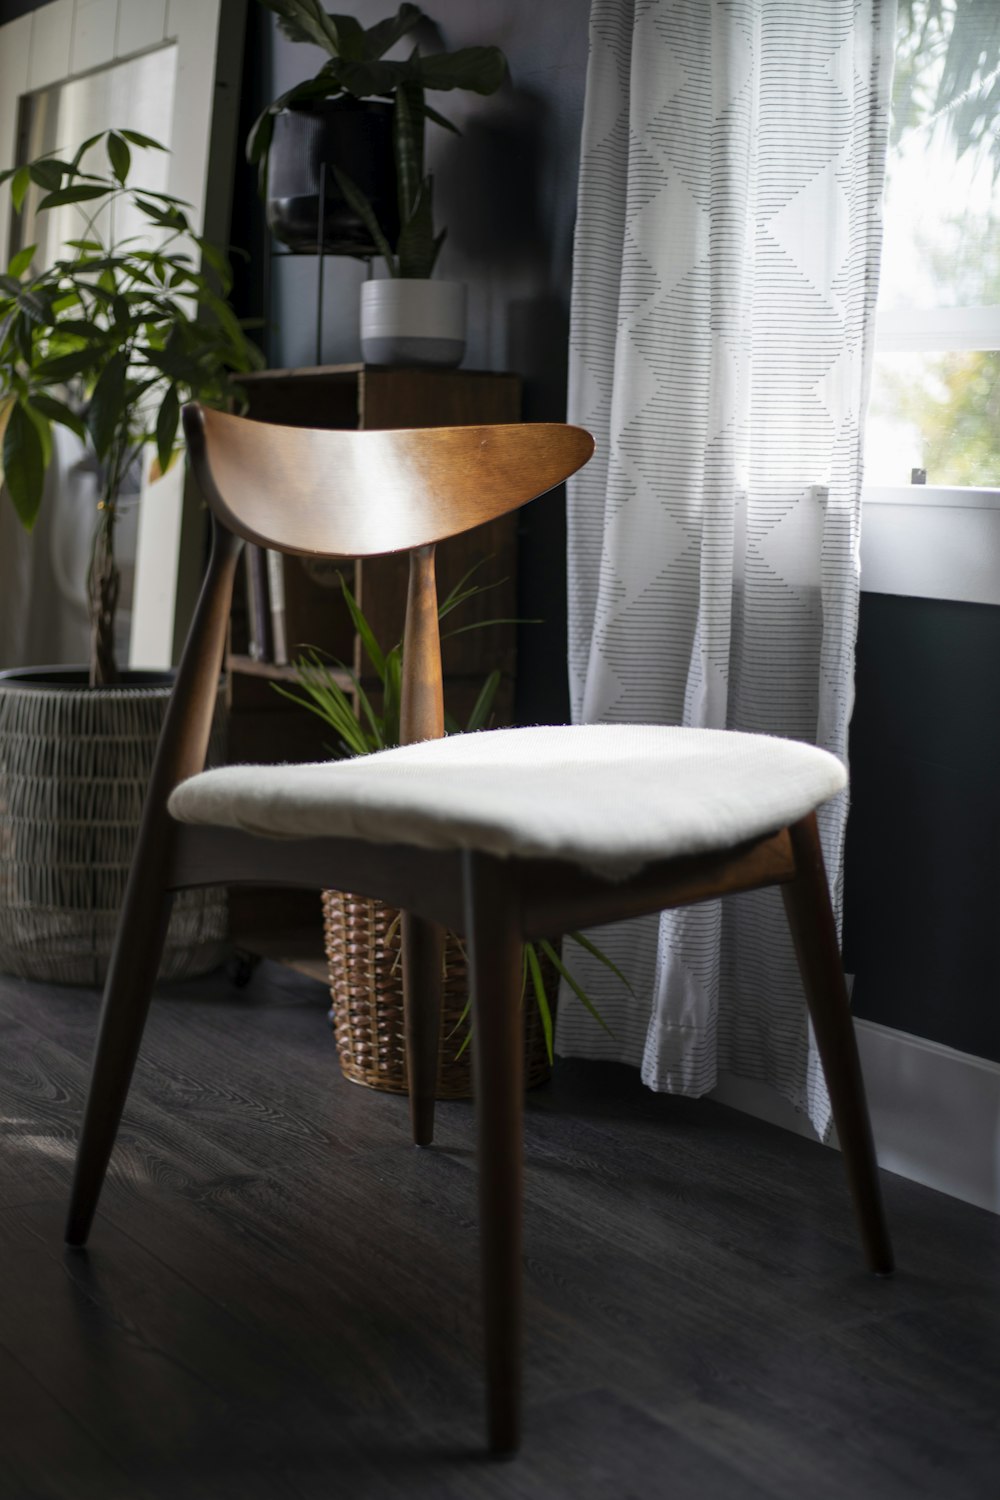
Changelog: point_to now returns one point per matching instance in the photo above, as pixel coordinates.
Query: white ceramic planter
(406, 322)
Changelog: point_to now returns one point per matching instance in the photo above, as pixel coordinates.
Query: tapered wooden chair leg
(423, 956)
(810, 916)
(132, 973)
(495, 963)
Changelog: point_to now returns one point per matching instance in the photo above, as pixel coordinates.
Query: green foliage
(357, 68)
(948, 72)
(374, 728)
(110, 339)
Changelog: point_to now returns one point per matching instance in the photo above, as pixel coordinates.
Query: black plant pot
(352, 134)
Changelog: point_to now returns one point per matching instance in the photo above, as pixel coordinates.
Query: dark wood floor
(279, 1299)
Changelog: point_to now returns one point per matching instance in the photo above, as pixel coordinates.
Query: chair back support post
(187, 726)
(422, 706)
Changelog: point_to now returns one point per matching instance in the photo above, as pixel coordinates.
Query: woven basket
(366, 990)
(74, 764)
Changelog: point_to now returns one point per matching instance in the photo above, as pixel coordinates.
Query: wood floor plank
(281, 1295)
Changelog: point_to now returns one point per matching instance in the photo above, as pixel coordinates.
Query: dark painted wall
(922, 885)
(506, 190)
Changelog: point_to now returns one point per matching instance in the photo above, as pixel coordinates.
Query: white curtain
(726, 260)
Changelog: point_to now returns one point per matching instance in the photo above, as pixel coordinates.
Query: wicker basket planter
(366, 990)
(74, 763)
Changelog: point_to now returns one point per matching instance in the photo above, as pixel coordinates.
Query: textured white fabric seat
(609, 797)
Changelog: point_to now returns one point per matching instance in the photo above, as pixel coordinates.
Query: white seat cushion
(609, 797)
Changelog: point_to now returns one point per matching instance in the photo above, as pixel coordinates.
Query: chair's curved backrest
(358, 494)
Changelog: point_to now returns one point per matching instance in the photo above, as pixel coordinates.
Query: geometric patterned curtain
(726, 263)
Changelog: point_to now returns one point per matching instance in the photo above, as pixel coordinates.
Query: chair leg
(810, 916)
(495, 962)
(142, 930)
(423, 955)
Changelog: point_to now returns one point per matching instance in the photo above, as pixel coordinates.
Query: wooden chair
(504, 836)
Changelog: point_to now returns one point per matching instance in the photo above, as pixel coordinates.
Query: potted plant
(363, 935)
(357, 100)
(108, 341)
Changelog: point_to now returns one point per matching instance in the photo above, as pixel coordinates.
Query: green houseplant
(408, 318)
(363, 936)
(108, 340)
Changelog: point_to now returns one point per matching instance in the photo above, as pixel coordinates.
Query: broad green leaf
(83, 193)
(21, 261)
(104, 417)
(44, 426)
(214, 257)
(166, 427)
(306, 21)
(385, 34)
(350, 36)
(65, 366)
(23, 465)
(119, 155)
(481, 69)
(138, 139)
(58, 411)
(19, 188)
(46, 173)
(91, 140)
(169, 217)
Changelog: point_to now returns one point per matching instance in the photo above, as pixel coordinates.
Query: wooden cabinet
(266, 727)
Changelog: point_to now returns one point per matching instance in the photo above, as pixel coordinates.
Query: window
(935, 407)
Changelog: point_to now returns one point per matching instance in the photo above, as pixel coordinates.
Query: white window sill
(931, 542)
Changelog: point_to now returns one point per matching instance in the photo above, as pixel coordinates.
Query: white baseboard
(935, 1112)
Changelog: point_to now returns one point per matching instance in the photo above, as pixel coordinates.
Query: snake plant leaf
(417, 249)
(408, 128)
(23, 464)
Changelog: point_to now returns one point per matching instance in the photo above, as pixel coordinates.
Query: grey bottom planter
(74, 764)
